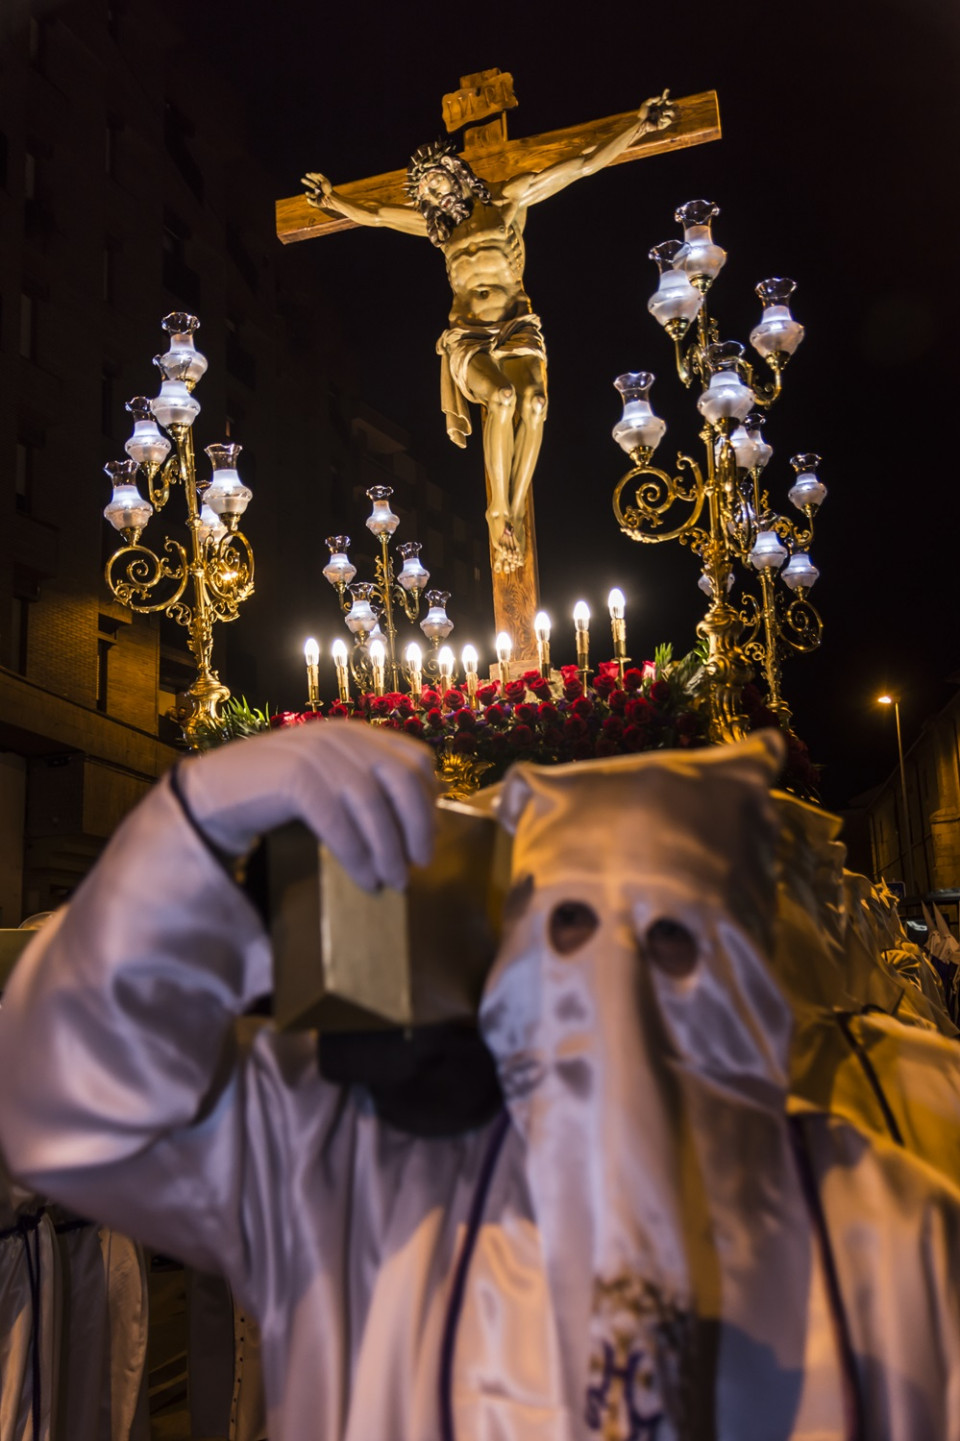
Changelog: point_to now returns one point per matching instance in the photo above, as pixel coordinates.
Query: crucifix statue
(473, 207)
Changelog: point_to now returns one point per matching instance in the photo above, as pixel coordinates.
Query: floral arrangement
(650, 707)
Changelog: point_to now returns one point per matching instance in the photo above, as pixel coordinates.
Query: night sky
(838, 120)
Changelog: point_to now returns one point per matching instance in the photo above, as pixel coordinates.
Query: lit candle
(618, 626)
(446, 664)
(311, 654)
(541, 629)
(378, 659)
(581, 620)
(504, 652)
(470, 661)
(339, 652)
(414, 659)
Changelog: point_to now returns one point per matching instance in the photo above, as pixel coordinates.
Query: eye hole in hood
(671, 948)
(571, 925)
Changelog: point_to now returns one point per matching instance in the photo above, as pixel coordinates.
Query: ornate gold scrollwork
(145, 570)
(655, 495)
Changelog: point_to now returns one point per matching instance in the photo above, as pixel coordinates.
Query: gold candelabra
(730, 520)
(371, 608)
(207, 579)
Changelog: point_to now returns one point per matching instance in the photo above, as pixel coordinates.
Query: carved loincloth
(457, 347)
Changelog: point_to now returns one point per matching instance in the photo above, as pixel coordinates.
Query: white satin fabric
(647, 1264)
(26, 1330)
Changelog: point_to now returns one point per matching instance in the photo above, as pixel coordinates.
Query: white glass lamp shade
(226, 495)
(413, 656)
(311, 651)
(706, 584)
(777, 332)
(183, 352)
(147, 445)
(469, 659)
(749, 447)
(800, 574)
(211, 527)
(638, 428)
(127, 509)
(808, 491)
(413, 575)
(175, 405)
(339, 569)
(361, 615)
(581, 616)
(541, 626)
(675, 302)
(617, 604)
(726, 397)
(382, 520)
(436, 624)
(699, 257)
(768, 551)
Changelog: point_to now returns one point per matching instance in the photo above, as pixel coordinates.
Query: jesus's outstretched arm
(394, 217)
(528, 189)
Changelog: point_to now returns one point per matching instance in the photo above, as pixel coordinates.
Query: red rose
(487, 693)
(632, 679)
(464, 743)
(283, 718)
(537, 685)
(607, 746)
(391, 723)
(583, 750)
(514, 691)
(547, 711)
(379, 705)
(619, 702)
(570, 673)
(552, 736)
(688, 723)
(413, 725)
(608, 670)
(452, 699)
(495, 714)
(604, 685)
(464, 719)
(613, 727)
(574, 726)
(311, 715)
(521, 737)
(529, 676)
(571, 691)
(429, 698)
(639, 711)
(340, 708)
(397, 700)
(633, 739)
(527, 713)
(434, 718)
(582, 706)
(660, 692)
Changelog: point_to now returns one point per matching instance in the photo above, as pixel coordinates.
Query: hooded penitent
(655, 1241)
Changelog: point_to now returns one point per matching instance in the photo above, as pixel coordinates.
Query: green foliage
(238, 718)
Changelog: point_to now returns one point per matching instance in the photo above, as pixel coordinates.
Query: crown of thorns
(441, 155)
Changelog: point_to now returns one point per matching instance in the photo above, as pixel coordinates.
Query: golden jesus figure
(493, 352)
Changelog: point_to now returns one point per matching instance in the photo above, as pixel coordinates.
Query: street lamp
(907, 844)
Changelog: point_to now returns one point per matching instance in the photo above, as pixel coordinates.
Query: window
(177, 131)
(178, 276)
(103, 664)
(23, 473)
(19, 617)
(108, 273)
(28, 326)
(108, 378)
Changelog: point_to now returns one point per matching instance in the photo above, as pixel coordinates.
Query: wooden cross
(479, 109)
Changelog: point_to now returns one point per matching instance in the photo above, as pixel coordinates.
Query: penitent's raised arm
(322, 194)
(528, 189)
(122, 1091)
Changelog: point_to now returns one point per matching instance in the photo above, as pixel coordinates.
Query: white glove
(366, 793)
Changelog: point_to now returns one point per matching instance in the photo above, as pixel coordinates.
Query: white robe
(629, 1253)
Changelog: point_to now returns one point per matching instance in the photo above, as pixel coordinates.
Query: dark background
(836, 168)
